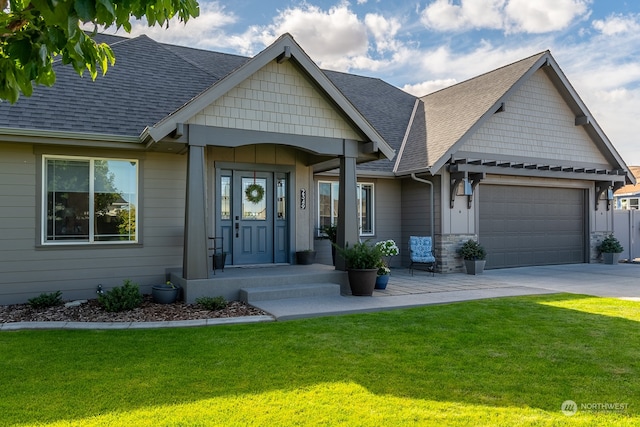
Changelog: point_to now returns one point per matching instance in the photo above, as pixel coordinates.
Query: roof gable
(283, 49)
(536, 123)
(453, 115)
(277, 98)
(455, 112)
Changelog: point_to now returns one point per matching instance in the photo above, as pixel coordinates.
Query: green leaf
(107, 6)
(86, 9)
(20, 50)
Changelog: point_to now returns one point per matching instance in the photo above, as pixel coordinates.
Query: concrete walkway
(404, 290)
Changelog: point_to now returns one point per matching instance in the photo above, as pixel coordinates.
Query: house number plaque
(303, 198)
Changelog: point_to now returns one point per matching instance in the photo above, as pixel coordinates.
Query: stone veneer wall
(446, 252)
(596, 238)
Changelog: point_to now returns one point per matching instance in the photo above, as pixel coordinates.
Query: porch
(229, 282)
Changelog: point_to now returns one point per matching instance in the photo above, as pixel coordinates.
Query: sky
(423, 46)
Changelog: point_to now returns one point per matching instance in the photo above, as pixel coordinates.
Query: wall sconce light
(609, 193)
(468, 190)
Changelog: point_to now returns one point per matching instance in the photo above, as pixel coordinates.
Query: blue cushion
(420, 249)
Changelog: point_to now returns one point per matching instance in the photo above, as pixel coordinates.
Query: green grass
(492, 362)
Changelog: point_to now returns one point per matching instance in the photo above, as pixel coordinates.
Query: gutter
(71, 138)
(432, 213)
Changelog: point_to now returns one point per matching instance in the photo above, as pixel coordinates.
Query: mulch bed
(148, 311)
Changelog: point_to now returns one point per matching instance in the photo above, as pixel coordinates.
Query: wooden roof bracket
(609, 187)
(470, 182)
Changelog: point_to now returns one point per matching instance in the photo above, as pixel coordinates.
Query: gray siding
(388, 200)
(27, 269)
(416, 210)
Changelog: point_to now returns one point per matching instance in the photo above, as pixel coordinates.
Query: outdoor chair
(421, 252)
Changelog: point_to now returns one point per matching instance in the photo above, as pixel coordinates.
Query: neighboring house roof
(631, 188)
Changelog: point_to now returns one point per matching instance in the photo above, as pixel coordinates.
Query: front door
(253, 217)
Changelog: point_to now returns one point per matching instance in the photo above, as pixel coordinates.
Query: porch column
(347, 201)
(194, 260)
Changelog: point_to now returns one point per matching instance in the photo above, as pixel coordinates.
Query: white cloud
(617, 24)
(444, 15)
(207, 31)
(510, 16)
(333, 38)
(543, 16)
(427, 87)
(384, 31)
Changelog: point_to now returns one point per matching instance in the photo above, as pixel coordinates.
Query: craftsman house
(131, 175)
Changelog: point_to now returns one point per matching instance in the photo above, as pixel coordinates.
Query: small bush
(212, 303)
(121, 298)
(46, 300)
(611, 245)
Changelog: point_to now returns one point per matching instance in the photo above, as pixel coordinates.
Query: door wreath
(254, 193)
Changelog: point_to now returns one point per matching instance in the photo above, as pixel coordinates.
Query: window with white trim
(629, 203)
(89, 200)
(328, 206)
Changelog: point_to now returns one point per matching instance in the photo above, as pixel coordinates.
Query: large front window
(90, 200)
(328, 206)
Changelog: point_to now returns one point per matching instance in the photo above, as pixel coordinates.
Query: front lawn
(492, 362)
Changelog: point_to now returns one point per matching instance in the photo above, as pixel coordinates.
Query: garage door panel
(522, 226)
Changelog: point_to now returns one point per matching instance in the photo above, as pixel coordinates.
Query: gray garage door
(521, 226)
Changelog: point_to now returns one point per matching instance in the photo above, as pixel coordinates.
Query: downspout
(431, 220)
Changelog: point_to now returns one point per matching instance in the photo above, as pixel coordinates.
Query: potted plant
(306, 257)
(610, 249)
(165, 294)
(474, 256)
(331, 231)
(219, 260)
(388, 248)
(362, 261)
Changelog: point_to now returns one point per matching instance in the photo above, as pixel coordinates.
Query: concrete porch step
(269, 293)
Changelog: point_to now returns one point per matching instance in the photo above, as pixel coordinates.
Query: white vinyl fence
(626, 228)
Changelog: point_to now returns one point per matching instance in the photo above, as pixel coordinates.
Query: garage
(523, 226)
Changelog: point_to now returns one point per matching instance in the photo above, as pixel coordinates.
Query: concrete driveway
(617, 281)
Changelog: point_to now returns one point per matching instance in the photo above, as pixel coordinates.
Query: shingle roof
(151, 80)
(451, 112)
(631, 188)
(148, 82)
(385, 106)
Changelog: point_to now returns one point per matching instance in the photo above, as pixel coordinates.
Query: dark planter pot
(474, 266)
(164, 294)
(305, 257)
(219, 260)
(382, 281)
(610, 258)
(362, 282)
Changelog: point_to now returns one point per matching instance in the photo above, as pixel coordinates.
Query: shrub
(361, 256)
(611, 245)
(472, 250)
(121, 298)
(212, 303)
(46, 300)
